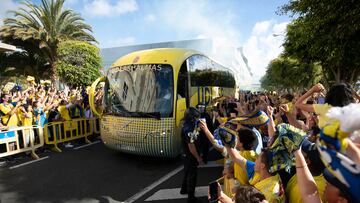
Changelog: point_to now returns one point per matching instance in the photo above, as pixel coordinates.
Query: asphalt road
(96, 174)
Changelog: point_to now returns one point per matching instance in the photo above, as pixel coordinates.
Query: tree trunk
(54, 78)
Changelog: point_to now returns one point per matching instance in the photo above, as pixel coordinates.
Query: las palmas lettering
(130, 68)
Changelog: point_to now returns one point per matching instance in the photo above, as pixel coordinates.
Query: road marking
(110, 200)
(83, 146)
(155, 184)
(166, 177)
(30, 162)
(170, 194)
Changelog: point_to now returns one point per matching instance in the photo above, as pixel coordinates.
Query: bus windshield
(144, 90)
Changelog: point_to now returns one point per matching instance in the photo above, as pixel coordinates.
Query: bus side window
(183, 84)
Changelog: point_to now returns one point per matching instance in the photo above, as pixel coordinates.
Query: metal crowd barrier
(21, 139)
(65, 131)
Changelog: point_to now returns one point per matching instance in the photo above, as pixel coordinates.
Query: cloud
(261, 27)
(263, 45)
(190, 19)
(150, 18)
(119, 42)
(6, 5)
(104, 8)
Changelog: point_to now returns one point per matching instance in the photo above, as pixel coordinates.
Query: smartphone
(213, 190)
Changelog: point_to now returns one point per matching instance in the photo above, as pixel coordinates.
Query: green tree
(327, 32)
(21, 63)
(289, 73)
(39, 29)
(78, 62)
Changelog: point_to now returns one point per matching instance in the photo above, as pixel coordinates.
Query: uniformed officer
(204, 141)
(191, 144)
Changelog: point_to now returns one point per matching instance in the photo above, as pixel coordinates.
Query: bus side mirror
(92, 93)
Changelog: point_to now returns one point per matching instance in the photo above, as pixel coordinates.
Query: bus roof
(174, 56)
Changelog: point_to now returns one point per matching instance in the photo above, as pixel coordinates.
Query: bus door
(182, 101)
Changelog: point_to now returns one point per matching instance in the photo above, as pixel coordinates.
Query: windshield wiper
(155, 115)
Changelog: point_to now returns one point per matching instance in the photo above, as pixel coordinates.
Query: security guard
(191, 144)
(204, 141)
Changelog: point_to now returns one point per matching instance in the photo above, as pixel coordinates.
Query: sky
(251, 24)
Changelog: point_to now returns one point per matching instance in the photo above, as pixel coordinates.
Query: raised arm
(211, 138)
(353, 151)
(306, 182)
(271, 123)
(301, 102)
(236, 157)
(292, 118)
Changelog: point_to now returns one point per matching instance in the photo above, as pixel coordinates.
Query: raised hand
(269, 110)
(318, 88)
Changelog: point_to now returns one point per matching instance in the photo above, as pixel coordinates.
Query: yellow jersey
(64, 112)
(293, 193)
(28, 121)
(239, 173)
(8, 120)
(321, 110)
(270, 187)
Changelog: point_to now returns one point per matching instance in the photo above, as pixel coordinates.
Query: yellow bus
(147, 93)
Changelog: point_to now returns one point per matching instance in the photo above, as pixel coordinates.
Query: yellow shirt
(321, 110)
(330, 126)
(28, 121)
(5, 119)
(293, 193)
(64, 112)
(20, 116)
(271, 188)
(239, 173)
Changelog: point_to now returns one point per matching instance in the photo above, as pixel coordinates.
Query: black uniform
(190, 162)
(205, 143)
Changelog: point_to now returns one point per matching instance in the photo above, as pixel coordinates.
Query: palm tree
(39, 29)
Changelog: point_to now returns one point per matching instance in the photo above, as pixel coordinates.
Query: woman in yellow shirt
(339, 95)
(316, 167)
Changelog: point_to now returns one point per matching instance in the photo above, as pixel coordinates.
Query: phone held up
(213, 190)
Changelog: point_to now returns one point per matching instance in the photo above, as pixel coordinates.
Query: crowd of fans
(41, 103)
(301, 147)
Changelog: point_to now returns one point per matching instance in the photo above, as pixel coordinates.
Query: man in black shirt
(191, 144)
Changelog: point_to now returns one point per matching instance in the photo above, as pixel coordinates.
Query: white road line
(30, 162)
(152, 186)
(166, 177)
(170, 194)
(83, 146)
